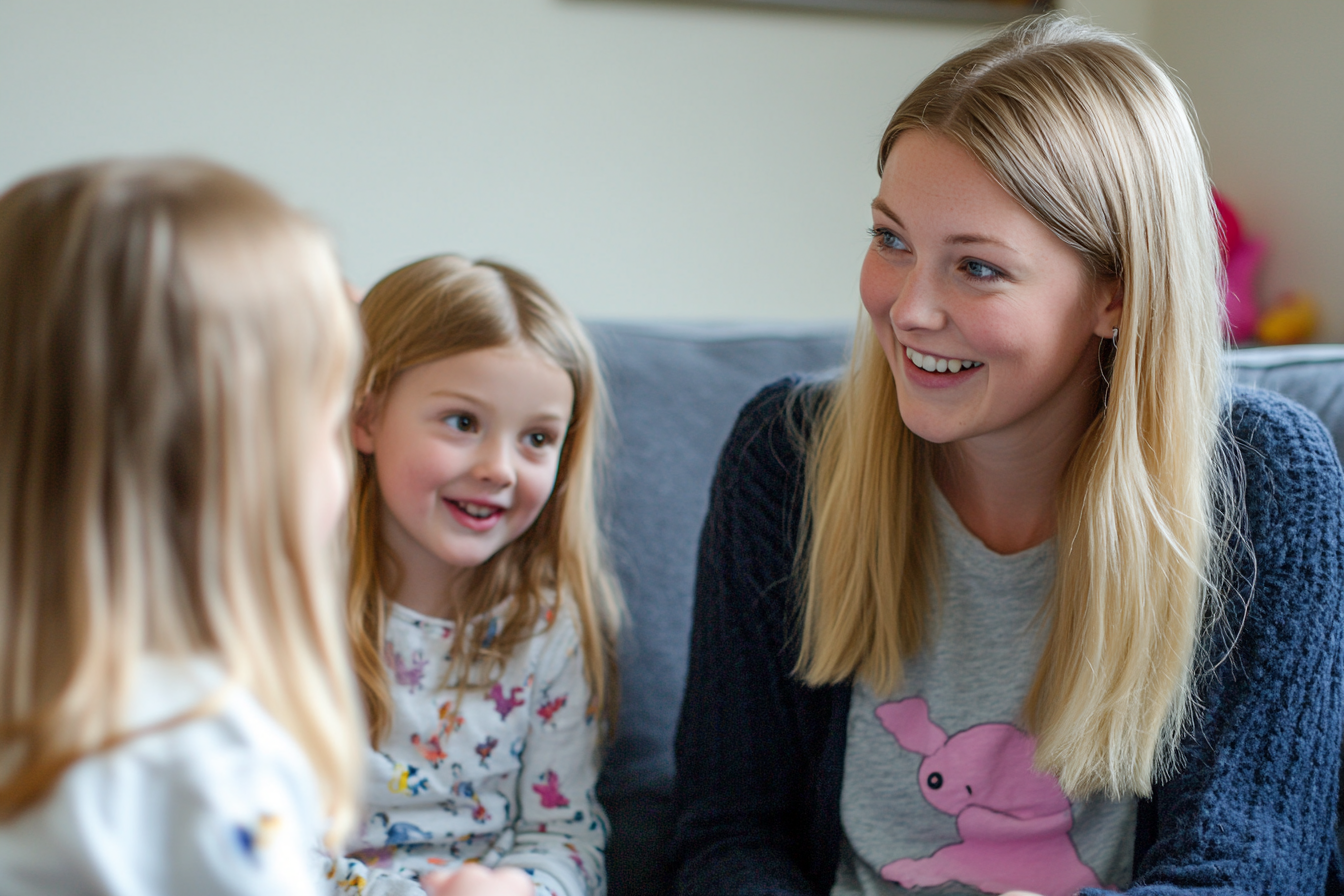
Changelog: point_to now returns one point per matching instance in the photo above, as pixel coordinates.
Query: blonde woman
(1028, 599)
(176, 709)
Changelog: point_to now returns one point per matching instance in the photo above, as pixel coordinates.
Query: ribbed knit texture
(760, 756)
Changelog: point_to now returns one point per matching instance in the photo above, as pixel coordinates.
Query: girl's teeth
(940, 365)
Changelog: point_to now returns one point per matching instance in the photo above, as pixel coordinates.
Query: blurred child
(482, 612)
(176, 710)
(175, 352)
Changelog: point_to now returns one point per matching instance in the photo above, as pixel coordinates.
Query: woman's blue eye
(981, 271)
(887, 239)
(460, 422)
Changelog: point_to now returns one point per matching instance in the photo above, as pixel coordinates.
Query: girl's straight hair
(1095, 140)
(443, 306)
(173, 341)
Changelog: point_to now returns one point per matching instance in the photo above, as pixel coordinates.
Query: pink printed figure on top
(1013, 821)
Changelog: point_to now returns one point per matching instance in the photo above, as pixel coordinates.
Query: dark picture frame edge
(955, 10)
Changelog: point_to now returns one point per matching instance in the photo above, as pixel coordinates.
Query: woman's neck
(1005, 490)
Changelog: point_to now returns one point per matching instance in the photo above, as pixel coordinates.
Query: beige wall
(643, 158)
(646, 159)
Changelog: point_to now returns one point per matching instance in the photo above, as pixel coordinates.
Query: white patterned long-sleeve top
(504, 775)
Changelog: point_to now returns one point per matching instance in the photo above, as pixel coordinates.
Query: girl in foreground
(482, 612)
(1029, 599)
(176, 710)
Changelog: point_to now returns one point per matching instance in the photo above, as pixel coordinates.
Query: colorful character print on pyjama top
(502, 775)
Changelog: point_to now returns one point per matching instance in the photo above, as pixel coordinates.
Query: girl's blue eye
(981, 271)
(538, 440)
(460, 422)
(886, 239)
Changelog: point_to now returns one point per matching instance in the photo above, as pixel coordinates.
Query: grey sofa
(676, 390)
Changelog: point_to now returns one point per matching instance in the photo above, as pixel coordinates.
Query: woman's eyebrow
(963, 238)
(886, 210)
(958, 239)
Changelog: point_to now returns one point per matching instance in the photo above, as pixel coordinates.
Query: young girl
(176, 714)
(482, 612)
(1028, 598)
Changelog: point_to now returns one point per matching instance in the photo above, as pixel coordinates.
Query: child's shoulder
(555, 640)
(202, 760)
(202, 729)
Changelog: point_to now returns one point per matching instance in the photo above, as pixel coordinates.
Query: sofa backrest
(676, 390)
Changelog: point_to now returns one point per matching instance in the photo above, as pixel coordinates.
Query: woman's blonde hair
(443, 306)
(1095, 140)
(173, 342)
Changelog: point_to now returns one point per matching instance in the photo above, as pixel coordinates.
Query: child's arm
(561, 831)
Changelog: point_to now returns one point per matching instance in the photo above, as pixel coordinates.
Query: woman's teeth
(940, 365)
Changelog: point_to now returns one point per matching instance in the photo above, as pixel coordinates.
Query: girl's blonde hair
(443, 306)
(173, 342)
(1096, 141)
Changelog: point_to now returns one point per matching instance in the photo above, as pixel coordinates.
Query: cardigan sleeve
(742, 743)
(1253, 808)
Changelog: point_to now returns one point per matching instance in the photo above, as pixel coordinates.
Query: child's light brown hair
(173, 342)
(433, 309)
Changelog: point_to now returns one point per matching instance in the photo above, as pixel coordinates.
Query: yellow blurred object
(1292, 319)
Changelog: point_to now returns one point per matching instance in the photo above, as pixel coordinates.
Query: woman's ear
(364, 425)
(1110, 299)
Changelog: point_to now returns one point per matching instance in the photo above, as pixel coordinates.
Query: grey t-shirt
(938, 790)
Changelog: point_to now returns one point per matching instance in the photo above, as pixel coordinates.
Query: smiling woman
(984, 612)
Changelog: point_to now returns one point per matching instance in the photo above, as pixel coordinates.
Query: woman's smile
(938, 364)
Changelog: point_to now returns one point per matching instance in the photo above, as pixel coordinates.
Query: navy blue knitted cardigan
(760, 756)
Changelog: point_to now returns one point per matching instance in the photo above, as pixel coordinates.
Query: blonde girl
(1028, 599)
(482, 612)
(176, 710)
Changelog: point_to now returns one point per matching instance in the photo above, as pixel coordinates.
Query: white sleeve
(234, 821)
(352, 877)
(194, 809)
(561, 830)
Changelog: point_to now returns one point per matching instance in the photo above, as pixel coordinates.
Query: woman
(1028, 599)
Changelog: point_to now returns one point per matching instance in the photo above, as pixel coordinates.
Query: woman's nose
(919, 301)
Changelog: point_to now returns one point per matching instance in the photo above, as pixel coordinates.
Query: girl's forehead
(511, 371)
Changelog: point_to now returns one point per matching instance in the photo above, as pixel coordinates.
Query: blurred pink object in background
(1242, 256)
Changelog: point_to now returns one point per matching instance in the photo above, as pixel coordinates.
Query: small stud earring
(1115, 337)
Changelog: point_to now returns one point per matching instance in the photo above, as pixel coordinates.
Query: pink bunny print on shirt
(1013, 821)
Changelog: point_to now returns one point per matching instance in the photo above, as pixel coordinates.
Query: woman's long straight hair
(1096, 141)
(173, 343)
(443, 306)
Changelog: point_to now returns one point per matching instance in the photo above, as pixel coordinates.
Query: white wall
(641, 158)
(1267, 80)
